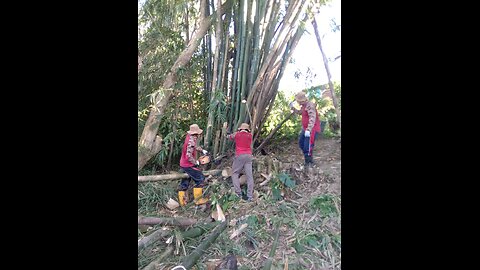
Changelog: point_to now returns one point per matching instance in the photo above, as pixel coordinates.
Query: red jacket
(243, 142)
(189, 154)
(306, 119)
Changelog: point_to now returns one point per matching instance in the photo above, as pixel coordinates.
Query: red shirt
(243, 142)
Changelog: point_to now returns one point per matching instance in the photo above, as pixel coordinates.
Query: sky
(308, 55)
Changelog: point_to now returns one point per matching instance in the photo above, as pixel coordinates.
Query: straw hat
(194, 129)
(300, 96)
(244, 126)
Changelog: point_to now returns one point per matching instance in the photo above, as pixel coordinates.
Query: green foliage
(287, 214)
(219, 103)
(278, 183)
(286, 180)
(152, 194)
(161, 26)
(186, 107)
(280, 111)
(291, 128)
(317, 240)
(226, 201)
(252, 221)
(325, 204)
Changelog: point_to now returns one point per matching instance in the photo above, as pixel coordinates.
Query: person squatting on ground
(189, 164)
(243, 159)
(310, 126)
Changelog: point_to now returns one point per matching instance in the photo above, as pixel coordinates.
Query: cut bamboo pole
(173, 176)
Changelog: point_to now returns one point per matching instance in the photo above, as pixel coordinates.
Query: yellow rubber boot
(182, 199)
(197, 195)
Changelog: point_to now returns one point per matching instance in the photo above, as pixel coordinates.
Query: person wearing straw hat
(243, 159)
(310, 125)
(189, 163)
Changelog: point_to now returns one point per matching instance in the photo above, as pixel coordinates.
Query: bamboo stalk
(270, 89)
(151, 239)
(241, 64)
(268, 263)
(225, 59)
(223, 137)
(271, 67)
(178, 221)
(173, 176)
(190, 260)
(217, 140)
(255, 54)
(216, 79)
(233, 92)
(269, 29)
(199, 230)
(165, 254)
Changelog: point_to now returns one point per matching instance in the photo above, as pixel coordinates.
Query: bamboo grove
(198, 60)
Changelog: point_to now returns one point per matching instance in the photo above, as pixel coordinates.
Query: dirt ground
(327, 159)
(309, 238)
(323, 178)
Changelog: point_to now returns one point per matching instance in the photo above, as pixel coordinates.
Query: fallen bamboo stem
(178, 221)
(268, 263)
(236, 233)
(197, 231)
(173, 176)
(190, 260)
(152, 238)
(153, 264)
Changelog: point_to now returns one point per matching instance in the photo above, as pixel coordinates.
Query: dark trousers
(193, 173)
(307, 143)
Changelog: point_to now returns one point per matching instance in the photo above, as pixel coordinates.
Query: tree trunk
(187, 26)
(189, 261)
(178, 221)
(173, 176)
(146, 153)
(148, 144)
(330, 84)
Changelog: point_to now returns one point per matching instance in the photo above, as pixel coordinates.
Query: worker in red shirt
(189, 164)
(310, 125)
(243, 159)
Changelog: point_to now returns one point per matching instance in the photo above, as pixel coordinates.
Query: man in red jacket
(189, 163)
(310, 126)
(243, 159)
